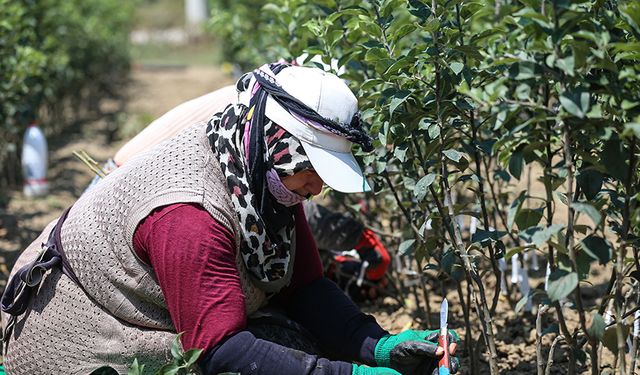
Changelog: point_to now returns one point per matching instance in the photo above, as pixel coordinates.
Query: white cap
(330, 97)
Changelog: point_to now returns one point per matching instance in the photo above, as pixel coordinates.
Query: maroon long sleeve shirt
(194, 260)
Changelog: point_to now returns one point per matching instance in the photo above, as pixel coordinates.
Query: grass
(159, 14)
(156, 15)
(201, 53)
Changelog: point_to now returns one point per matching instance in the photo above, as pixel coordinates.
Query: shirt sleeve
(245, 354)
(193, 257)
(194, 260)
(322, 308)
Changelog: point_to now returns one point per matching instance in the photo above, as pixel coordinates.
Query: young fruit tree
(506, 132)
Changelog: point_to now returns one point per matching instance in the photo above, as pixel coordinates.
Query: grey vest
(122, 314)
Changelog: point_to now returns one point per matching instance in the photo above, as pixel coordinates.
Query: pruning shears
(444, 366)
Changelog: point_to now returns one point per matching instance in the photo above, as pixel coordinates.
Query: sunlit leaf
(176, 347)
(514, 208)
(422, 186)
(191, 356)
(136, 368)
(406, 247)
(397, 99)
(540, 235)
(577, 102)
(561, 284)
(456, 67)
(453, 155)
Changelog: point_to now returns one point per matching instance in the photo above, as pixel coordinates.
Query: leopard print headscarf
(266, 220)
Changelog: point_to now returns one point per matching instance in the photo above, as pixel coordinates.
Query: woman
(198, 233)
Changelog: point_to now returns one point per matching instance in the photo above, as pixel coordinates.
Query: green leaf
(434, 131)
(432, 25)
(567, 65)
(419, 9)
(524, 70)
(561, 284)
(515, 208)
(191, 356)
(590, 182)
(375, 54)
(169, 369)
(453, 155)
(610, 337)
(370, 83)
(583, 263)
(631, 129)
(515, 164)
(456, 67)
(631, 15)
(471, 52)
(483, 236)
(397, 99)
(597, 327)
(403, 31)
(422, 186)
(552, 328)
(176, 347)
(527, 217)
(501, 174)
(588, 209)
(514, 251)
(523, 301)
(399, 66)
(135, 368)
(450, 265)
(540, 235)
(597, 248)
(406, 247)
(577, 102)
(400, 152)
(614, 158)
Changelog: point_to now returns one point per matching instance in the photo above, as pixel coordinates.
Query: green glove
(364, 370)
(413, 352)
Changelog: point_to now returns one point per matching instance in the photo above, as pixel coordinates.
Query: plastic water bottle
(196, 12)
(546, 277)
(515, 269)
(502, 265)
(525, 288)
(34, 162)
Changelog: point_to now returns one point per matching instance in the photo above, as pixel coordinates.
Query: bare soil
(156, 90)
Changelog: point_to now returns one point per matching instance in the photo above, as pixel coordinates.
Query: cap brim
(329, 154)
(339, 170)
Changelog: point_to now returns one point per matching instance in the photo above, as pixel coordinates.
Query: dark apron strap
(26, 281)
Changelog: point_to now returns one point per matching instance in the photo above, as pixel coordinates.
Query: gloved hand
(415, 352)
(364, 370)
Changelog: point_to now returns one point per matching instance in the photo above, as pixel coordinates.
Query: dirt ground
(156, 90)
